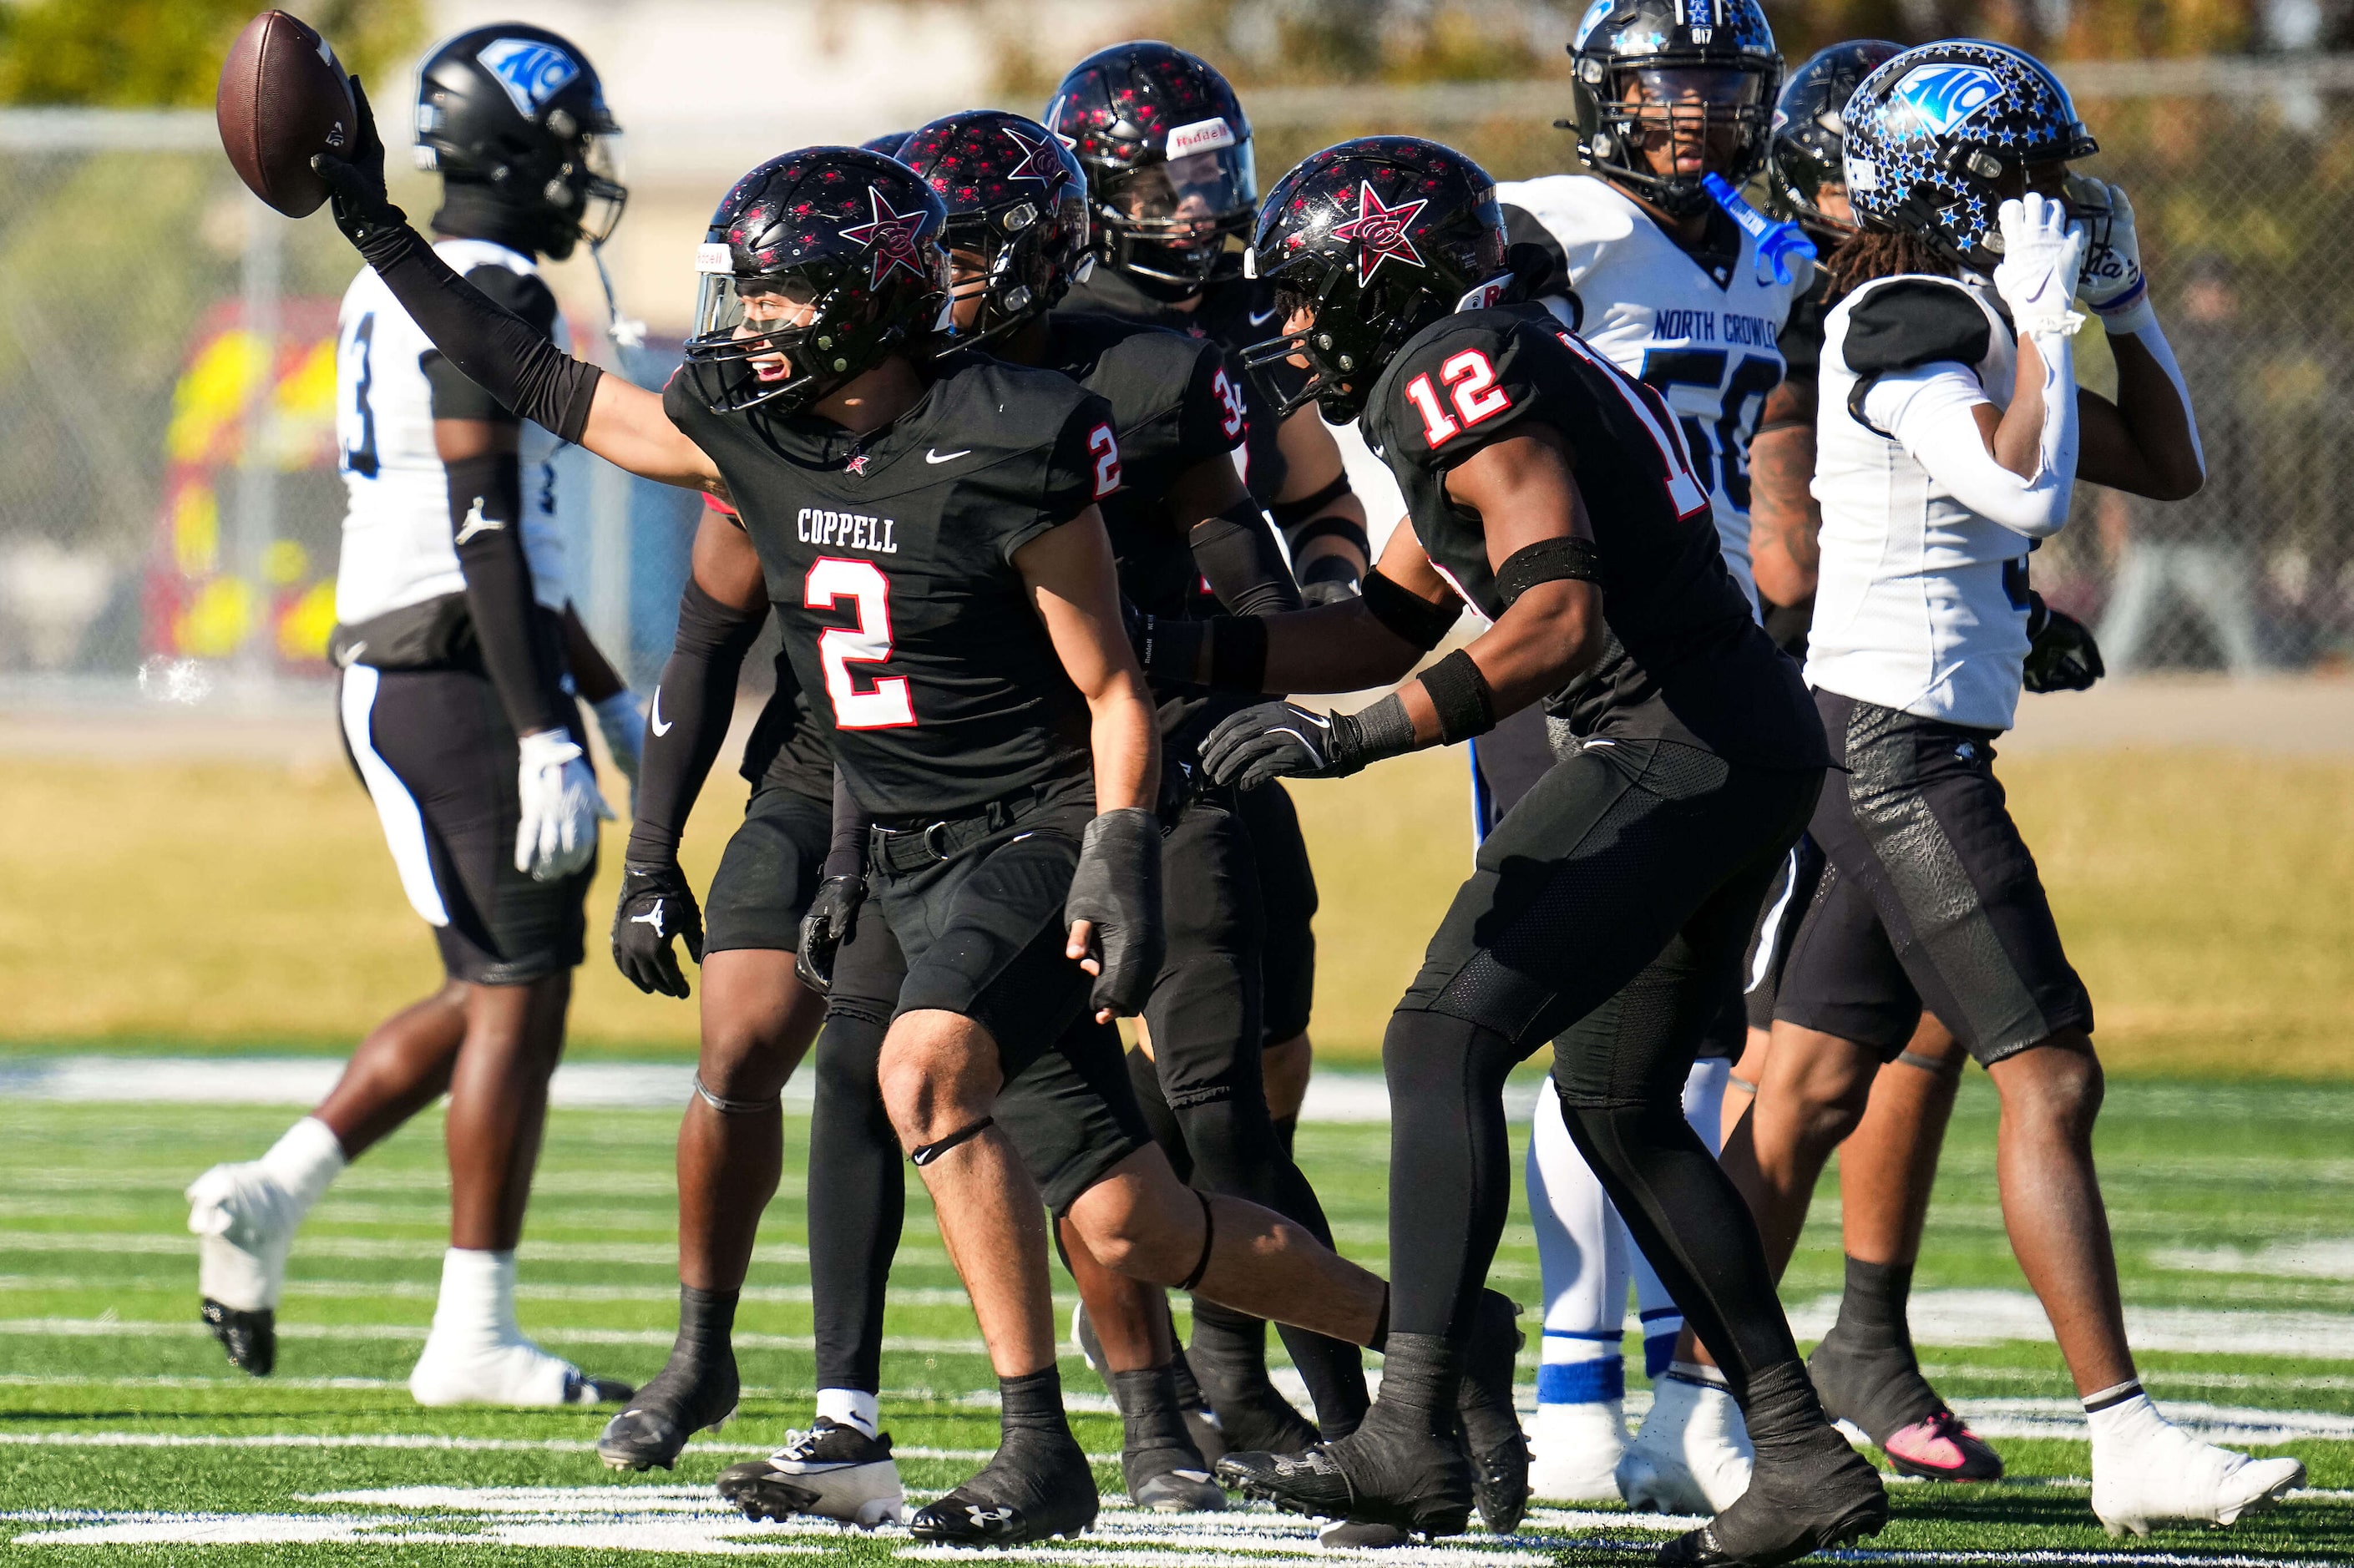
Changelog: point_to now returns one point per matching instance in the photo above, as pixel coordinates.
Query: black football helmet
(520, 110)
(1810, 135)
(887, 144)
(1168, 159)
(1644, 67)
(1017, 199)
(1378, 238)
(851, 234)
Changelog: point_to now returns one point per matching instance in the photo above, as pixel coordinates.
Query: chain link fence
(169, 499)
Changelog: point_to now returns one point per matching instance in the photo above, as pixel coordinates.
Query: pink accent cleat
(1942, 1449)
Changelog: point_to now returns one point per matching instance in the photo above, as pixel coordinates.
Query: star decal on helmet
(893, 237)
(1038, 159)
(1379, 232)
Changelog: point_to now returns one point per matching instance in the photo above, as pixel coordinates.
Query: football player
(1168, 154)
(1548, 489)
(1949, 438)
(930, 540)
(1652, 271)
(459, 716)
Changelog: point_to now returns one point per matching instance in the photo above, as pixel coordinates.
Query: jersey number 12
(890, 704)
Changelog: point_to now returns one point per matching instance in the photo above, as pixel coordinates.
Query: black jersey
(889, 558)
(1685, 661)
(1234, 314)
(789, 747)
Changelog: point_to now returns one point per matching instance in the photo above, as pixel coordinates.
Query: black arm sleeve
(523, 665)
(511, 359)
(454, 396)
(847, 857)
(1242, 562)
(697, 698)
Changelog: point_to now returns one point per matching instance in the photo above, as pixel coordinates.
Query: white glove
(2113, 283)
(2043, 252)
(558, 833)
(623, 725)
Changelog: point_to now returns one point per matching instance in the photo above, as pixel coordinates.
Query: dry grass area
(2208, 899)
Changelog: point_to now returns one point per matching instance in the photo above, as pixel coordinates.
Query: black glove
(832, 919)
(1284, 740)
(1117, 888)
(355, 182)
(2061, 653)
(656, 905)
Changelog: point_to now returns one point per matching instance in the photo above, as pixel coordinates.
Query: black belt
(912, 848)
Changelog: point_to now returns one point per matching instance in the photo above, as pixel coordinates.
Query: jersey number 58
(889, 704)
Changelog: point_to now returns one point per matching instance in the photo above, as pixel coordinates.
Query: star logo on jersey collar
(1038, 161)
(892, 238)
(1379, 232)
(856, 463)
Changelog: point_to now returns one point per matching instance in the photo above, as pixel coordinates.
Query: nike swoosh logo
(1260, 318)
(945, 457)
(656, 719)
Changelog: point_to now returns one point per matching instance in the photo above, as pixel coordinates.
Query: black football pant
(1607, 912)
(1203, 1095)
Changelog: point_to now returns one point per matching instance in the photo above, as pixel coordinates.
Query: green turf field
(123, 1436)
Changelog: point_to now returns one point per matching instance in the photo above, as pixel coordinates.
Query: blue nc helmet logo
(1941, 97)
(532, 72)
(1593, 18)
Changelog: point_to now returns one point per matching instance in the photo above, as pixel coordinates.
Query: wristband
(1460, 694)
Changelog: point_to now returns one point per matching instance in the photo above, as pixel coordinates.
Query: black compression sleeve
(847, 854)
(1237, 553)
(510, 358)
(486, 511)
(689, 720)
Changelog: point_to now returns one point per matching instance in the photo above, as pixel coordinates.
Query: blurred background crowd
(168, 496)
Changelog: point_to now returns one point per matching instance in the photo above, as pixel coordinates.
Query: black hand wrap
(657, 903)
(1547, 561)
(1117, 888)
(1284, 740)
(831, 920)
(688, 722)
(525, 663)
(1466, 705)
(2061, 654)
(1412, 619)
(1239, 558)
(511, 359)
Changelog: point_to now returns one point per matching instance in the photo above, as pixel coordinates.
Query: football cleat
(1808, 1493)
(509, 1371)
(1882, 1392)
(245, 1222)
(1038, 1484)
(1251, 1415)
(832, 1470)
(1692, 1455)
(1577, 1451)
(680, 1402)
(1361, 1537)
(1492, 1425)
(1166, 1480)
(2171, 1478)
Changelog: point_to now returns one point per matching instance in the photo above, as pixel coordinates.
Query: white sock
(477, 1301)
(2122, 1417)
(1582, 1250)
(1707, 1376)
(851, 1407)
(306, 1160)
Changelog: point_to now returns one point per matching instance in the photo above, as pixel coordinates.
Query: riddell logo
(1201, 136)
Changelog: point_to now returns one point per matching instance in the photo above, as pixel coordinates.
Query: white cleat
(832, 1471)
(1693, 1456)
(245, 1224)
(1576, 1452)
(507, 1371)
(2171, 1478)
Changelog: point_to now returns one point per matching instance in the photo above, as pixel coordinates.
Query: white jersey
(397, 549)
(1922, 604)
(1708, 343)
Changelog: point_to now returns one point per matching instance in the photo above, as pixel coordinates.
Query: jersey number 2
(889, 705)
(1471, 381)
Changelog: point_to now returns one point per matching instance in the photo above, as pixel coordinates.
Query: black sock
(1445, 1079)
(1418, 1379)
(1780, 1405)
(1872, 1309)
(705, 1319)
(1287, 1129)
(1148, 1412)
(1034, 1403)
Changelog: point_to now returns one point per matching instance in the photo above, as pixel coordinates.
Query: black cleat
(1883, 1391)
(250, 1338)
(1808, 1493)
(1363, 1537)
(1491, 1424)
(1170, 1480)
(1251, 1415)
(681, 1400)
(1038, 1484)
(830, 1471)
(1201, 1425)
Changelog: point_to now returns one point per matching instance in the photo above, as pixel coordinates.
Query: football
(283, 97)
